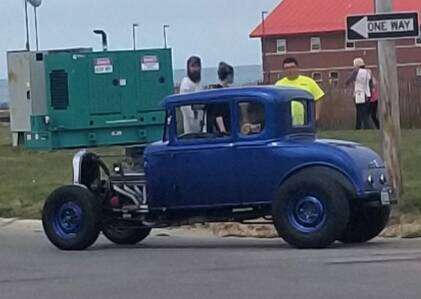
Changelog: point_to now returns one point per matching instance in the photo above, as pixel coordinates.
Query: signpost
(384, 27)
(35, 4)
(27, 46)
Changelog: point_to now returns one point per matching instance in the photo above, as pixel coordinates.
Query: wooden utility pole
(389, 105)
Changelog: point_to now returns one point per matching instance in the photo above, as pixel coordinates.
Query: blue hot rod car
(228, 155)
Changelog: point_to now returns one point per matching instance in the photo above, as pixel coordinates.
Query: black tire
(126, 236)
(366, 223)
(312, 209)
(71, 218)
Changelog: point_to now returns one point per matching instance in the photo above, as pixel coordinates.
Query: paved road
(180, 265)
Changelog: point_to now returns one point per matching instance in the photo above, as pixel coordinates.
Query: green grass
(27, 177)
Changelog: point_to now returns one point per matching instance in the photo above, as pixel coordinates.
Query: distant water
(4, 94)
(244, 75)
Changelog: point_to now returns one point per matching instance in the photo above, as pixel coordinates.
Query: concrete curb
(21, 224)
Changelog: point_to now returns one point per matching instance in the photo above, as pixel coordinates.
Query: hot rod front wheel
(70, 218)
(311, 210)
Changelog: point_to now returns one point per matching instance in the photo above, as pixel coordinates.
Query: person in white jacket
(192, 120)
(361, 77)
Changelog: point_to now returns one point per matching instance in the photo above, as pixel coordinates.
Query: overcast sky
(216, 30)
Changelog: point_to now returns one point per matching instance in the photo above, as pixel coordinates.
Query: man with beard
(192, 119)
(191, 83)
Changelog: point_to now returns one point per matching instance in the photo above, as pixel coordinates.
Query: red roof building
(313, 31)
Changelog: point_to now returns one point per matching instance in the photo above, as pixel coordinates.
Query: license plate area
(385, 197)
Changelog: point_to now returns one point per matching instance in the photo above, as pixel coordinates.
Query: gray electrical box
(19, 80)
(26, 79)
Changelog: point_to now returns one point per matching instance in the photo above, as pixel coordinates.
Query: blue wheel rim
(67, 220)
(307, 214)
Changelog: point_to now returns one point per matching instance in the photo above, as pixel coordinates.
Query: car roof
(266, 93)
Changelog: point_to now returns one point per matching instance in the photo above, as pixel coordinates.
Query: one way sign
(382, 26)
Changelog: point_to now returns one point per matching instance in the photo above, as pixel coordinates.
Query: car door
(204, 163)
(254, 155)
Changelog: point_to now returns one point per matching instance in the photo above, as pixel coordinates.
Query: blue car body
(228, 155)
(240, 170)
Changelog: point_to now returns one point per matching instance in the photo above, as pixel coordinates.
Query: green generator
(79, 98)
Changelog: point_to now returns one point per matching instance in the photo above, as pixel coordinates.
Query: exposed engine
(122, 189)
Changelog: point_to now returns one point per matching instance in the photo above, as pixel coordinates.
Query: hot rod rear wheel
(366, 223)
(125, 236)
(312, 209)
(70, 218)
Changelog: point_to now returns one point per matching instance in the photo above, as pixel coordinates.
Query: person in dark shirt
(219, 119)
(225, 76)
(219, 115)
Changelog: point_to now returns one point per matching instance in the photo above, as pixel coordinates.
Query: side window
(203, 121)
(281, 46)
(251, 118)
(334, 78)
(316, 44)
(349, 45)
(299, 113)
(318, 77)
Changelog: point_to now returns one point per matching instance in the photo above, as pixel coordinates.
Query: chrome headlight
(117, 168)
(382, 179)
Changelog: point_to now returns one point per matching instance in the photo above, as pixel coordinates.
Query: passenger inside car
(218, 119)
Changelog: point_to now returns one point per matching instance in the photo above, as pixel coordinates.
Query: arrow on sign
(361, 27)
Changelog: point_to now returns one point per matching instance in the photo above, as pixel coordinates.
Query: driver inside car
(250, 129)
(252, 119)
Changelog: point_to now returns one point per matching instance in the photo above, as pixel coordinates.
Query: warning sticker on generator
(150, 63)
(103, 65)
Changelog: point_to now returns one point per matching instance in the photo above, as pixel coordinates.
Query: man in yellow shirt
(294, 79)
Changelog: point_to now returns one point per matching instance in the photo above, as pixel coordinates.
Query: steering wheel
(246, 129)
